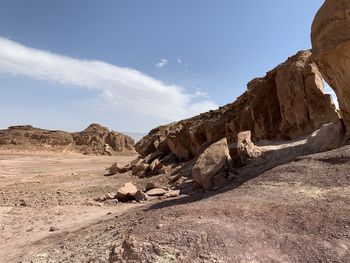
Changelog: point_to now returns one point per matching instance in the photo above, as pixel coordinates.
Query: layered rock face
(331, 50)
(287, 103)
(95, 139)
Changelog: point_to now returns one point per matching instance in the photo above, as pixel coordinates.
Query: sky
(133, 65)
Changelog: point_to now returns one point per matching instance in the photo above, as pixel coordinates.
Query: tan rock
(331, 50)
(245, 148)
(140, 169)
(152, 156)
(156, 192)
(287, 103)
(330, 136)
(114, 169)
(154, 166)
(140, 196)
(212, 166)
(126, 192)
(110, 195)
(172, 193)
(152, 185)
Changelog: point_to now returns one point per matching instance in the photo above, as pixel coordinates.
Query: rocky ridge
(288, 107)
(287, 103)
(95, 139)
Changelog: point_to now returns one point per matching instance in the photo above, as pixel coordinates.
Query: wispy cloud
(179, 60)
(118, 89)
(162, 63)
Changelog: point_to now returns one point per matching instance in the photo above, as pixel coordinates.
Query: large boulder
(331, 49)
(287, 103)
(212, 166)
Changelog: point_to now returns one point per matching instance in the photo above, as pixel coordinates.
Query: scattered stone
(23, 203)
(111, 202)
(114, 169)
(164, 169)
(152, 156)
(153, 166)
(110, 196)
(139, 169)
(127, 192)
(172, 193)
(140, 196)
(156, 192)
(53, 228)
(152, 185)
(92, 203)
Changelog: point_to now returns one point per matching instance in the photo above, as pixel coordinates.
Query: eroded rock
(287, 103)
(245, 148)
(331, 49)
(212, 166)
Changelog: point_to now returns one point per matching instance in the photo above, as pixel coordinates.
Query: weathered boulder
(212, 166)
(245, 148)
(126, 192)
(330, 136)
(331, 50)
(287, 103)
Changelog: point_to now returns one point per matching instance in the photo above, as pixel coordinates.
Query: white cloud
(162, 63)
(179, 60)
(119, 90)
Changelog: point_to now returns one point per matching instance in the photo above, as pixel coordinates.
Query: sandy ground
(295, 212)
(40, 191)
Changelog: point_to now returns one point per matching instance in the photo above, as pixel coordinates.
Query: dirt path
(43, 191)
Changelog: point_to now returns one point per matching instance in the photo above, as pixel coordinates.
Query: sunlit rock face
(331, 50)
(287, 103)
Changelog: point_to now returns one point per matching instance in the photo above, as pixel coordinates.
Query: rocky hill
(95, 139)
(287, 103)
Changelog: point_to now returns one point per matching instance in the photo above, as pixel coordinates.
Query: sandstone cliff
(331, 50)
(287, 103)
(95, 139)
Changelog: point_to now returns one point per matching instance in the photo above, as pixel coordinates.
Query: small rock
(53, 228)
(22, 202)
(152, 185)
(159, 226)
(172, 193)
(141, 196)
(156, 192)
(110, 195)
(126, 192)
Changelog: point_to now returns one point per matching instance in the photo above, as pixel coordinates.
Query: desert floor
(43, 191)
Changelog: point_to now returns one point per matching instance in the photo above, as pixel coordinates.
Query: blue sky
(132, 65)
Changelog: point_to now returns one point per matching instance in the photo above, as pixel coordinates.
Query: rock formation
(212, 166)
(287, 103)
(331, 49)
(95, 139)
